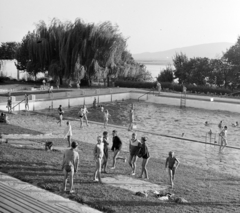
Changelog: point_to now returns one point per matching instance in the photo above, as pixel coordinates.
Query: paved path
(133, 184)
(20, 197)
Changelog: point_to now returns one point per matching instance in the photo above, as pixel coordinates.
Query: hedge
(174, 87)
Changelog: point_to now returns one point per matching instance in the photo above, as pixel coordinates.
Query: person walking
(68, 133)
(171, 163)
(70, 165)
(134, 147)
(144, 154)
(116, 148)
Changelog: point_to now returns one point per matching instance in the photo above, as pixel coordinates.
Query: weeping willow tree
(73, 51)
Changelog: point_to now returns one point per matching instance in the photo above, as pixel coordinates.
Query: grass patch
(206, 190)
(12, 129)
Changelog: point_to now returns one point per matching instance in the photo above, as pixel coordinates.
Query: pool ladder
(183, 100)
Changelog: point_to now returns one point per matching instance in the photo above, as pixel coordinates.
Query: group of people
(222, 133)
(137, 149)
(9, 102)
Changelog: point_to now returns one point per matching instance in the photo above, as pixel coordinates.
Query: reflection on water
(174, 121)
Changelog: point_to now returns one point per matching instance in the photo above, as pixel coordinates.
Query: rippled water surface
(174, 121)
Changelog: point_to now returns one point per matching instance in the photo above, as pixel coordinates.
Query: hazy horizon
(150, 26)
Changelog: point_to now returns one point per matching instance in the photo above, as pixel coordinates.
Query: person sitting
(206, 123)
(235, 125)
(48, 145)
(4, 118)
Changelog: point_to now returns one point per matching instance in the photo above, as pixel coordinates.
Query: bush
(135, 84)
(173, 87)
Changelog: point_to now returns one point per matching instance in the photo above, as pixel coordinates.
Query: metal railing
(151, 91)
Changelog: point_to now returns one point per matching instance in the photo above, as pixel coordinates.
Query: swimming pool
(174, 121)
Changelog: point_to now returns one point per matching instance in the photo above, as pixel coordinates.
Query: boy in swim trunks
(70, 165)
(172, 163)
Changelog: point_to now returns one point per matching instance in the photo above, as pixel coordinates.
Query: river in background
(8, 69)
(155, 69)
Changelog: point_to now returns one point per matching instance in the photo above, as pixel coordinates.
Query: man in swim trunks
(134, 147)
(116, 148)
(172, 164)
(70, 165)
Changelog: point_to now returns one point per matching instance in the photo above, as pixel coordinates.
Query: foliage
(73, 51)
(7, 50)
(167, 75)
(173, 87)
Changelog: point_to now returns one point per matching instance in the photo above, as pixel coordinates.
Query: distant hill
(212, 50)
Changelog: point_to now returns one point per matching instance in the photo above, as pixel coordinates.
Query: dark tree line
(223, 72)
(73, 51)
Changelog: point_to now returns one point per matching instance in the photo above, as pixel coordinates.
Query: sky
(149, 25)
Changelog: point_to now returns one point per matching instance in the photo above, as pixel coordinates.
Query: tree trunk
(61, 80)
(108, 81)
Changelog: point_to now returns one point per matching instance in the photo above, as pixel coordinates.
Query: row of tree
(73, 51)
(204, 71)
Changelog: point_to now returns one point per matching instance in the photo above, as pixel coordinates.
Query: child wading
(223, 137)
(172, 164)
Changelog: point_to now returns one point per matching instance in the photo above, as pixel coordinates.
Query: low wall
(215, 104)
(207, 103)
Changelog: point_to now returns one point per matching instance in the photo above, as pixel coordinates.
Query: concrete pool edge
(201, 102)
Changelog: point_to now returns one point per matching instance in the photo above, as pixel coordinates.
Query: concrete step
(14, 201)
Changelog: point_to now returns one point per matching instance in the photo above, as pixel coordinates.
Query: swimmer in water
(236, 124)
(206, 123)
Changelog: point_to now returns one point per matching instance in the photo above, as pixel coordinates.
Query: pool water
(174, 121)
